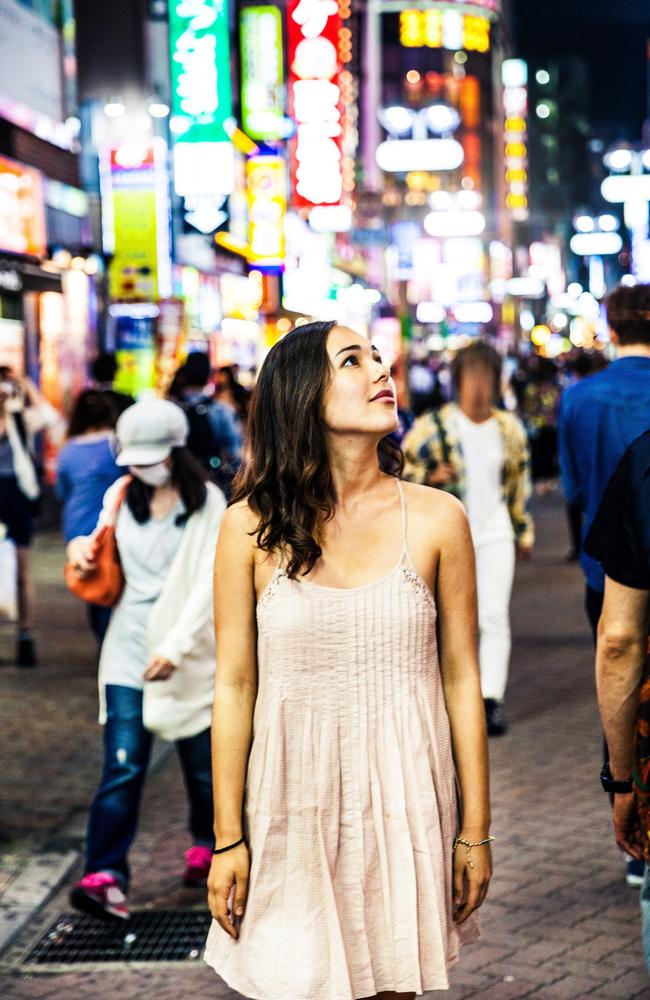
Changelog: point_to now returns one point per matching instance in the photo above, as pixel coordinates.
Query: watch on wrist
(615, 787)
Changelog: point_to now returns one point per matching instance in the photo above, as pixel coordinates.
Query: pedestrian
(86, 467)
(231, 393)
(598, 418)
(215, 437)
(336, 874)
(619, 538)
(104, 371)
(156, 668)
(23, 413)
(539, 412)
(479, 453)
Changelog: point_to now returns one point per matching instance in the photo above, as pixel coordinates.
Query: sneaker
(26, 650)
(100, 895)
(495, 717)
(197, 865)
(635, 870)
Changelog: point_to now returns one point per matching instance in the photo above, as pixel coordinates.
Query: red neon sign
(315, 102)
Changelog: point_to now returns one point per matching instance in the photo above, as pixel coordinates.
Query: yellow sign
(267, 205)
(140, 270)
(444, 29)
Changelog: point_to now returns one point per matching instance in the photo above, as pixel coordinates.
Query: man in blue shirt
(599, 417)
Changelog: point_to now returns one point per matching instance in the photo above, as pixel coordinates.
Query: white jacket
(181, 628)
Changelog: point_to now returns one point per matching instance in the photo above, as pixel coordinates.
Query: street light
(401, 155)
(632, 190)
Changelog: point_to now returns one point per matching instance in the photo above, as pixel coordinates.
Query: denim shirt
(599, 417)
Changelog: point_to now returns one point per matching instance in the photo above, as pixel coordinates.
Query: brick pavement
(559, 922)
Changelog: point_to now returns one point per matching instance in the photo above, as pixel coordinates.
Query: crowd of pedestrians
(334, 477)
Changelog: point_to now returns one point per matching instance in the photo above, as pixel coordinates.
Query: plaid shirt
(434, 438)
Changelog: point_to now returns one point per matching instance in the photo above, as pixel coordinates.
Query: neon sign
(315, 68)
(444, 29)
(262, 66)
(267, 205)
(201, 96)
(515, 102)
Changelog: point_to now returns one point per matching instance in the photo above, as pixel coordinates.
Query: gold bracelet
(469, 845)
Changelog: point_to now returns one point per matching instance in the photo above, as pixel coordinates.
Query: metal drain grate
(148, 936)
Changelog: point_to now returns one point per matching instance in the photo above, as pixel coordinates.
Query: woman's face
(360, 397)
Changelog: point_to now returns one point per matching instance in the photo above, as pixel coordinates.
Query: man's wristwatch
(617, 787)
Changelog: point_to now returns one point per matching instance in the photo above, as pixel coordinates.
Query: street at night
(324, 499)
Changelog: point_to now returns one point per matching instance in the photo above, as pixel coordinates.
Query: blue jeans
(113, 820)
(645, 915)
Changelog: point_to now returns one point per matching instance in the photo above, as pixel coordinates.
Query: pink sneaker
(197, 865)
(100, 895)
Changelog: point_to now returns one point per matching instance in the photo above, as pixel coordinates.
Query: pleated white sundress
(350, 798)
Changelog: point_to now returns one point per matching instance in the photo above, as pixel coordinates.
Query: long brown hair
(286, 476)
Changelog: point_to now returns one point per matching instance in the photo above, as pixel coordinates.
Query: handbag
(105, 584)
(8, 580)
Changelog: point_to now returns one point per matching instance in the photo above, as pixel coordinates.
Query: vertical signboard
(201, 96)
(262, 72)
(136, 222)
(315, 101)
(514, 74)
(267, 205)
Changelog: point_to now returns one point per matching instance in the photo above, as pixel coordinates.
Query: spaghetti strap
(405, 555)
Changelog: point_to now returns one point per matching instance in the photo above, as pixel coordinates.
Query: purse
(105, 584)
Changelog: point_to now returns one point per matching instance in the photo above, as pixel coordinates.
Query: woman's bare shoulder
(239, 521)
(431, 505)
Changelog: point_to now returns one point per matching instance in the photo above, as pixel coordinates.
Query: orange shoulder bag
(105, 584)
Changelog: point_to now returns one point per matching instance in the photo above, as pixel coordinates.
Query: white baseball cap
(147, 432)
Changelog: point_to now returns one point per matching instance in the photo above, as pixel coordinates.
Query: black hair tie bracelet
(222, 849)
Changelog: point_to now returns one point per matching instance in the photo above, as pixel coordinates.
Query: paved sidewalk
(560, 921)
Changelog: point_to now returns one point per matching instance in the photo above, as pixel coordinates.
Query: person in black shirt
(619, 539)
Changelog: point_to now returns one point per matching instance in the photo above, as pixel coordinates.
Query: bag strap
(121, 497)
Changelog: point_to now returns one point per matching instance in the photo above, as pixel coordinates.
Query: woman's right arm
(234, 704)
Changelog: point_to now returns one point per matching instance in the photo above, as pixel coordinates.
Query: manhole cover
(148, 936)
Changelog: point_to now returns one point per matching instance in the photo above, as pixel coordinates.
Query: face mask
(152, 475)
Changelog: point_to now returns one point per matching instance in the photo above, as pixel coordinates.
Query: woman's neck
(355, 469)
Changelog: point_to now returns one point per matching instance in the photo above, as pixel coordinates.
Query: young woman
(336, 874)
(23, 413)
(479, 453)
(156, 669)
(86, 467)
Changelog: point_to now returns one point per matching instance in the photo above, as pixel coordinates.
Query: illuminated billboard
(262, 72)
(22, 209)
(315, 101)
(267, 205)
(438, 28)
(514, 75)
(136, 221)
(201, 96)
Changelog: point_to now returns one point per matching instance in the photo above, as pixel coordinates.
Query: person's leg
(495, 566)
(113, 820)
(196, 762)
(574, 518)
(25, 648)
(98, 619)
(594, 607)
(645, 916)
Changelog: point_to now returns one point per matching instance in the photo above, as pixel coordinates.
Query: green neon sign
(262, 72)
(200, 69)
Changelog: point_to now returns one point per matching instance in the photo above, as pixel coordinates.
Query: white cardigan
(181, 628)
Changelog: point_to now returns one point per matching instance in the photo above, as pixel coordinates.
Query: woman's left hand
(159, 669)
(471, 884)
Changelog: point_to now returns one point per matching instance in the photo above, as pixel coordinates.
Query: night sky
(611, 35)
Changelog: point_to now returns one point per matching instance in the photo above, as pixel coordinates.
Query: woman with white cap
(156, 670)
